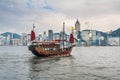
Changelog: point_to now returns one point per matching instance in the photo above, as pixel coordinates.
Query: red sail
(32, 35)
(71, 38)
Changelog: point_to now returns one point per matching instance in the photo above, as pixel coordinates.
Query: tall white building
(24, 39)
(8, 40)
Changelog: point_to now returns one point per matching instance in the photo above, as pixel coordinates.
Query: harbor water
(85, 63)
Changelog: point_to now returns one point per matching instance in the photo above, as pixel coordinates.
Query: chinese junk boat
(49, 48)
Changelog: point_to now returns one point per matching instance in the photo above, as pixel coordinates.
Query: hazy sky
(20, 15)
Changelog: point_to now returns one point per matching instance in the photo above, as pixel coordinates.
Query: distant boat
(50, 48)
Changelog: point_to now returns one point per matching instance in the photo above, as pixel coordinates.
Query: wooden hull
(37, 51)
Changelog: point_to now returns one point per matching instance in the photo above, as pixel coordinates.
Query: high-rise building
(40, 37)
(24, 39)
(44, 36)
(1, 40)
(63, 35)
(89, 37)
(50, 34)
(8, 40)
(77, 26)
(15, 41)
(56, 36)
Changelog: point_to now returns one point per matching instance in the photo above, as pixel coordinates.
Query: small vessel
(50, 48)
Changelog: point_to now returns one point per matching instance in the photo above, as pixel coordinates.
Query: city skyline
(19, 16)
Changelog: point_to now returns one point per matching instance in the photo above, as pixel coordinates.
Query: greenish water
(85, 63)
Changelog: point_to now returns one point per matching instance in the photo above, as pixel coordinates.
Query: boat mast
(63, 33)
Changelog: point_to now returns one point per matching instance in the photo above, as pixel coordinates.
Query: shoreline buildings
(81, 37)
(88, 37)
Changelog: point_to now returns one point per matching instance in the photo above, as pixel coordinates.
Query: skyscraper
(77, 28)
(44, 36)
(50, 34)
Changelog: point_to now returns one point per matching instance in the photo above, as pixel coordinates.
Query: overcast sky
(20, 15)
